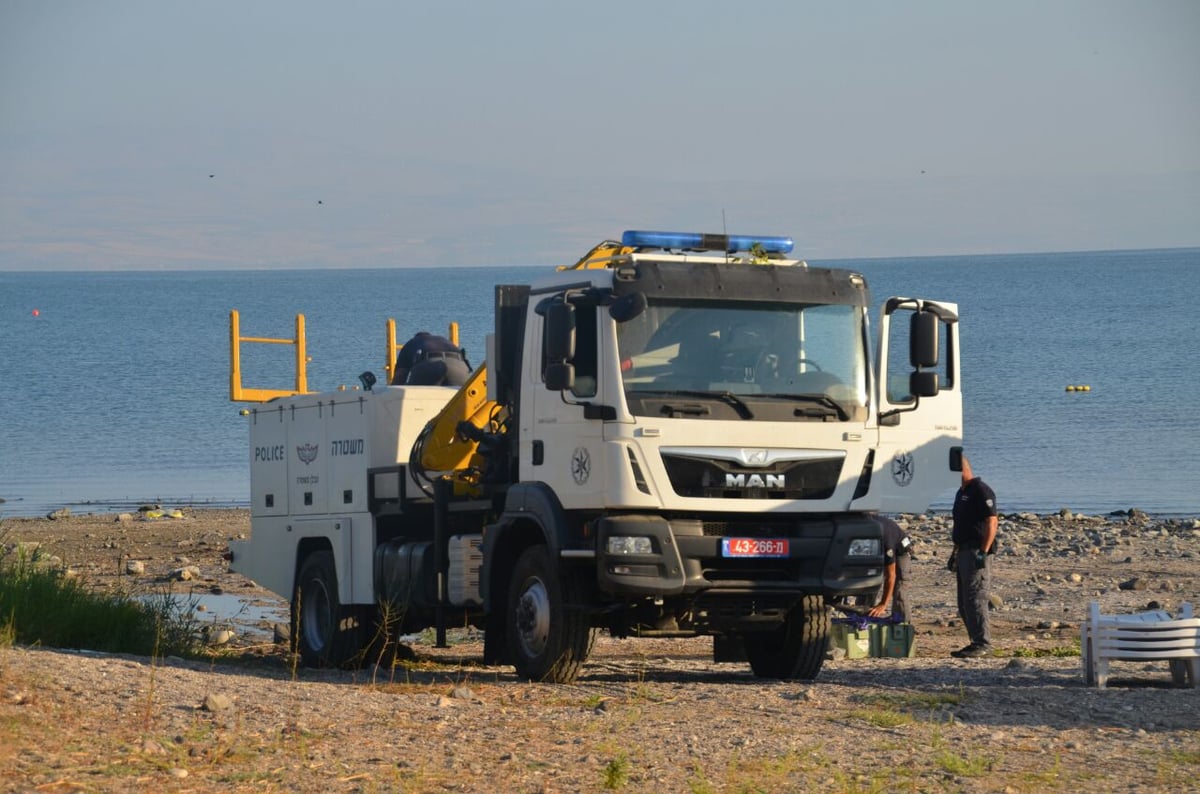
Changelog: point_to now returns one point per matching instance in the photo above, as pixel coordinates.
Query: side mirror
(560, 332)
(560, 377)
(923, 340)
(923, 384)
(627, 307)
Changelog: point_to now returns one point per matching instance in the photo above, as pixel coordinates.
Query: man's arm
(989, 533)
(889, 584)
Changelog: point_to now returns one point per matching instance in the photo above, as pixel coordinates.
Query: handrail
(237, 393)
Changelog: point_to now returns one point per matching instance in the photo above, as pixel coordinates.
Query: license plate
(754, 547)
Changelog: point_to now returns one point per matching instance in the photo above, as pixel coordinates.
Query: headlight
(865, 547)
(629, 544)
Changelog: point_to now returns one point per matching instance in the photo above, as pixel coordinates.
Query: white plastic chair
(1150, 636)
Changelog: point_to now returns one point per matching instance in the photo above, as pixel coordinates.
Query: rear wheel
(547, 640)
(325, 633)
(797, 648)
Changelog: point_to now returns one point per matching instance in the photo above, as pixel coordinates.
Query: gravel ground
(644, 716)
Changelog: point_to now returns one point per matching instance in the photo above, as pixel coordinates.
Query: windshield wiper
(727, 397)
(823, 400)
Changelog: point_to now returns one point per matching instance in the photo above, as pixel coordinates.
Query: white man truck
(680, 435)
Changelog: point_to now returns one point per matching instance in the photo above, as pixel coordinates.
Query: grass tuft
(964, 766)
(883, 718)
(39, 605)
(616, 773)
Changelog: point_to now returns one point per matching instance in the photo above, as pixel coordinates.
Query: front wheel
(797, 648)
(325, 633)
(547, 639)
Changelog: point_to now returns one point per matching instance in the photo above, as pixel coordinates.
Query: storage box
(880, 640)
(852, 639)
(892, 640)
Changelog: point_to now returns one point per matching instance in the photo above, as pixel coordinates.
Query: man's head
(967, 476)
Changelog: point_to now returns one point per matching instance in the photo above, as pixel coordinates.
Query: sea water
(114, 386)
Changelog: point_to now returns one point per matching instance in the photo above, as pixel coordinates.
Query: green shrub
(39, 605)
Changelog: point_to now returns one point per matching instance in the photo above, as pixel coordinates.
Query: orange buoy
(36, 313)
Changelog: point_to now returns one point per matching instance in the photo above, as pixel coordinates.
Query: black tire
(546, 640)
(324, 633)
(797, 648)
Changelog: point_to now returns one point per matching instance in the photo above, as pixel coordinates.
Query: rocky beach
(644, 715)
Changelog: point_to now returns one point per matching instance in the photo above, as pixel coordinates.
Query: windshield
(755, 361)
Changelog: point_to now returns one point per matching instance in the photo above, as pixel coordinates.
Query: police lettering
(346, 446)
(754, 481)
(265, 454)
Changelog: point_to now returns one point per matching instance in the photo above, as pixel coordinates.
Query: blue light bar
(691, 241)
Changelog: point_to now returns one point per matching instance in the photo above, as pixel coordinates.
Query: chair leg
(1179, 672)
(1089, 661)
(1101, 672)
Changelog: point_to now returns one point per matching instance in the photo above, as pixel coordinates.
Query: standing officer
(896, 558)
(429, 360)
(974, 535)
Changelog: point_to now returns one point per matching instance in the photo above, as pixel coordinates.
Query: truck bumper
(687, 556)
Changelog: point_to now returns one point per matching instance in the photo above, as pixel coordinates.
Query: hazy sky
(298, 134)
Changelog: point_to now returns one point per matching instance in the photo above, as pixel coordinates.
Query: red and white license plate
(754, 547)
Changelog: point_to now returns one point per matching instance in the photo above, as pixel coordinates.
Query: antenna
(725, 231)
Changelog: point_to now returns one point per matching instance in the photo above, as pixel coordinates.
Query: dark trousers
(973, 596)
(439, 372)
(899, 602)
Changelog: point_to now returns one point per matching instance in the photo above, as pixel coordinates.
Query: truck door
(920, 404)
(560, 446)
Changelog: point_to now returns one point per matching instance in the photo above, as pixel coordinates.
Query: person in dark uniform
(430, 360)
(974, 535)
(896, 559)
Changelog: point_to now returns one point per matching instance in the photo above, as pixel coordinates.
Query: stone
(1136, 583)
(185, 574)
(62, 512)
(216, 702)
(135, 567)
(220, 637)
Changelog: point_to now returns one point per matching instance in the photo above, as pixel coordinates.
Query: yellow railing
(238, 393)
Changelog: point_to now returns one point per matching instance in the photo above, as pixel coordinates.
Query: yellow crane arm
(443, 447)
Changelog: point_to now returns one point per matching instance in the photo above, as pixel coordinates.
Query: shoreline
(99, 507)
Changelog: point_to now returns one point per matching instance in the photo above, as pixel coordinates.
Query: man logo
(754, 480)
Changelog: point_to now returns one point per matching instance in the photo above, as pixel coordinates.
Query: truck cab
(716, 433)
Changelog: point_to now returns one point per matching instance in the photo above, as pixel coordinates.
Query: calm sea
(114, 386)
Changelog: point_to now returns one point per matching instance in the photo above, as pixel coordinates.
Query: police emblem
(902, 468)
(307, 453)
(581, 465)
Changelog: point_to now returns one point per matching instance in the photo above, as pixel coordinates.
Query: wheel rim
(316, 615)
(533, 618)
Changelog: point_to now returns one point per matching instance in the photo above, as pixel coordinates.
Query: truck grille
(722, 479)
